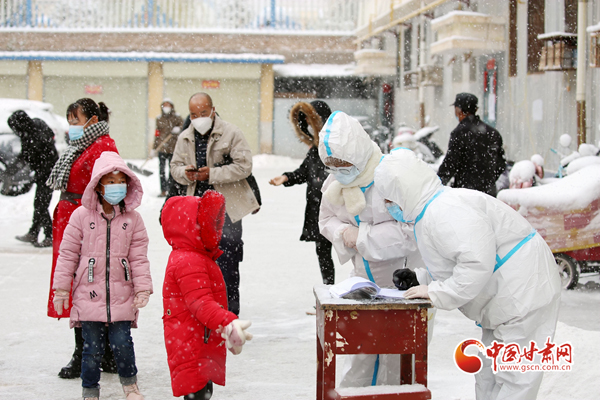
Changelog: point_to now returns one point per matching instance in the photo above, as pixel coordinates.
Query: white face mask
(167, 110)
(203, 124)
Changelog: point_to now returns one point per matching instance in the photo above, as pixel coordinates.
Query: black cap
(467, 102)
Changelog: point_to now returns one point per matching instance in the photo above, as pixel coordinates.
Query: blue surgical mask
(114, 193)
(345, 176)
(75, 132)
(396, 212)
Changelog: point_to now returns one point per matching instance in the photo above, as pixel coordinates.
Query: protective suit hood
(406, 180)
(343, 137)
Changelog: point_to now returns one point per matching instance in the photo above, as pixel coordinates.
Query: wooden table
(372, 327)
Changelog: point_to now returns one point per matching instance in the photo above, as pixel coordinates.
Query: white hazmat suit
(382, 245)
(481, 257)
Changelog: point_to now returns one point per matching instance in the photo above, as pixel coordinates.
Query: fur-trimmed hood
(308, 119)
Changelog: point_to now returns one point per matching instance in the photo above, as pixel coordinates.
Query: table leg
(421, 347)
(329, 349)
(406, 369)
(319, 370)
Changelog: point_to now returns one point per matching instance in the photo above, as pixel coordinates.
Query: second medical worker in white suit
(483, 258)
(354, 218)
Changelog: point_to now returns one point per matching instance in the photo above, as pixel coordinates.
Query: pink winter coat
(83, 252)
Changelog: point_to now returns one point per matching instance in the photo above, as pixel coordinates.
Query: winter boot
(132, 392)
(47, 242)
(28, 238)
(204, 394)
(73, 369)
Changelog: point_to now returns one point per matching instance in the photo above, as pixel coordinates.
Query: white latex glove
(176, 130)
(141, 299)
(417, 292)
(61, 300)
(235, 335)
(350, 236)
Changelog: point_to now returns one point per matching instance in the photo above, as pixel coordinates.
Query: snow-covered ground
(277, 277)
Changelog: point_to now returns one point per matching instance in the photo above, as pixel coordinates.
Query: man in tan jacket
(213, 154)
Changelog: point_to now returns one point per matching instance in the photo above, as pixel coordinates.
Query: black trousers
(325, 260)
(163, 160)
(41, 215)
(229, 262)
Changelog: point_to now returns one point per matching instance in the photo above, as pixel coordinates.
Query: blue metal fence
(219, 15)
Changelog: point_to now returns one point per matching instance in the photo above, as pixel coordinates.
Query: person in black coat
(37, 149)
(308, 119)
(475, 157)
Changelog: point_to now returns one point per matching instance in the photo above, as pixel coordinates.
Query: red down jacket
(194, 293)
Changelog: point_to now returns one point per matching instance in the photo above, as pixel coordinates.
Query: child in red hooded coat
(195, 315)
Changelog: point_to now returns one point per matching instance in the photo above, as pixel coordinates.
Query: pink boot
(132, 392)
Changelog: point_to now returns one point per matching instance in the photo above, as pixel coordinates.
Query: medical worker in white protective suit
(483, 258)
(354, 218)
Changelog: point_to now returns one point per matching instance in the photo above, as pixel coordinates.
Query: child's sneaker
(132, 392)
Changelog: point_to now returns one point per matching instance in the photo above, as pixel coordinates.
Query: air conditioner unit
(559, 52)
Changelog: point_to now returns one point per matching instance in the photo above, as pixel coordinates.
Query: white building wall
(525, 131)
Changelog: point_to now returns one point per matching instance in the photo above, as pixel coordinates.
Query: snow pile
(586, 149)
(575, 191)
(146, 56)
(383, 389)
(314, 70)
(521, 174)
(580, 163)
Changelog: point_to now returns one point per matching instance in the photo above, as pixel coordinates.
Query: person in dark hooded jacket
(307, 120)
(39, 151)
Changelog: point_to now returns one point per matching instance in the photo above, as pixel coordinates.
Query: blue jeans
(119, 336)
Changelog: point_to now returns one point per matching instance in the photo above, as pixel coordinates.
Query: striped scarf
(59, 177)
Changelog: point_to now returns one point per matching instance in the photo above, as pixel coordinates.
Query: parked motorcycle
(419, 141)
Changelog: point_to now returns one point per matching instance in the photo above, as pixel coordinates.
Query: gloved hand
(61, 300)
(417, 292)
(153, 153)
(175, 130)
(405, 279)
(350, 236)
(235, 335)
(141, 299)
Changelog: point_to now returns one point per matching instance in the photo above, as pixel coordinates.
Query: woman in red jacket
(195, 316)
(88, 138)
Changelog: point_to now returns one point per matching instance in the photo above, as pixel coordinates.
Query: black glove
(405, 278)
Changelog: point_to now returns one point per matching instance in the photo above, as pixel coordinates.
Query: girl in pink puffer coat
(103, 254)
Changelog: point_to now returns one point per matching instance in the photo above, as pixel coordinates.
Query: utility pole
(422, 62)
(581, 69)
